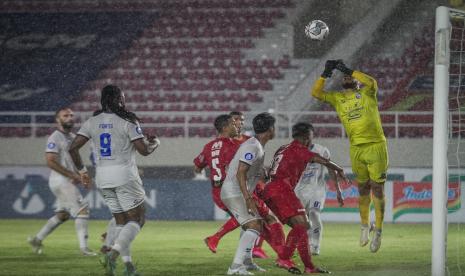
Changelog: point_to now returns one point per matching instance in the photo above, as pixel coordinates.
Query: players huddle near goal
(259, 198)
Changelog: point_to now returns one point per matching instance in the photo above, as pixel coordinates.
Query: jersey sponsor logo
(138, 130)
(248, 156)
(51, 145)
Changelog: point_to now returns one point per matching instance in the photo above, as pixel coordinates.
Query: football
(317, 30)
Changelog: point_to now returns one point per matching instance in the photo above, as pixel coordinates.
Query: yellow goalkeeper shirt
(357, 109)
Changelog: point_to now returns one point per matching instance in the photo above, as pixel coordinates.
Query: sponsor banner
(416, 197)
(165, 200)
(350, 194)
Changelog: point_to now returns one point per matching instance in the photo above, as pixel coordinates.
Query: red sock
(302, 246)
(229, 226)
(274, 235)
(291, 244)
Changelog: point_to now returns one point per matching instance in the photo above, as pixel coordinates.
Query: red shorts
(283, 202)
(216, 195)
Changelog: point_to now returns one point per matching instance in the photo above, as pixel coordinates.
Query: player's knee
(84, 212)
(254, 225)
(63, 216)
(377, 189)
(364, 189)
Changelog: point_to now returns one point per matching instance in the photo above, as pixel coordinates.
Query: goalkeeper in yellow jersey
(357, 108)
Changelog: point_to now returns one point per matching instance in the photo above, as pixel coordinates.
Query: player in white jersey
(62, 182)
(311, 190)
(116, 136)
(245, 169)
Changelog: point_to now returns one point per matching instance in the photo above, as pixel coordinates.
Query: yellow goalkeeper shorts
(369, 161)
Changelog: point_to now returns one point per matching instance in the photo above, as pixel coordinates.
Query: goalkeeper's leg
(378, 200)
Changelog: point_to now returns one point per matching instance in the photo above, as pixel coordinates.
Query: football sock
(316, 229)
(244, 250)
(48, 228)
(364, 208)
(111, 231)
(126, 236)
(126, 254)
(81, 225)
(229, 226)
(291, 244)
(274, 235)
(379, 212)
(302, 245)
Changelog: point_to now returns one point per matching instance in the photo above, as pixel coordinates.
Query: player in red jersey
(288, 164)
(273, 230)
(216, 155)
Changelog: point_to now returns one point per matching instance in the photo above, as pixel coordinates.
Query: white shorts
(238, 208)
(123, 198)
(68, 198)
(314, 198)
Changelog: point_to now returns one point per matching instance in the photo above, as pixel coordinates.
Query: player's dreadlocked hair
(111, 101)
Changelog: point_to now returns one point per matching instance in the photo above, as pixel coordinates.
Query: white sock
(48, 228)
(81, 223)
(316, 229)
(126, 254)
(111, 233)
(244, 250)
(126, 236)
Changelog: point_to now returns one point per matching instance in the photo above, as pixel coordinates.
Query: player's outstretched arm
(333, 176)
(331, 166)
(77, 143)
(317, 89)
(363, 78)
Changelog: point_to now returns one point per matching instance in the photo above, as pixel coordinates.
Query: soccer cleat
(105, 249)
(316, 270)
(109, 264)
(212, 243)
(258, 252)
(130, 270)
(239, 271)
(315, 250)
(87, 252)
(36, 244)
(288, 265)
(364, 234)
(376, 241)
(255, 267)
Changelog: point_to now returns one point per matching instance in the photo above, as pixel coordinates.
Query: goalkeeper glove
(329, 67)
(343, 68)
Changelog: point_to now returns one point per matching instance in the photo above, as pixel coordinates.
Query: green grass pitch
(177, 248)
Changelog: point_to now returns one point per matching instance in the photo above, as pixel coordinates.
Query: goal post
(440, 141)
(448, 129)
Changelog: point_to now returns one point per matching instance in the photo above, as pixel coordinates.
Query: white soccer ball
(317, 30)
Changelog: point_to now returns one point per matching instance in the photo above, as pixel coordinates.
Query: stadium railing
(396, 124)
